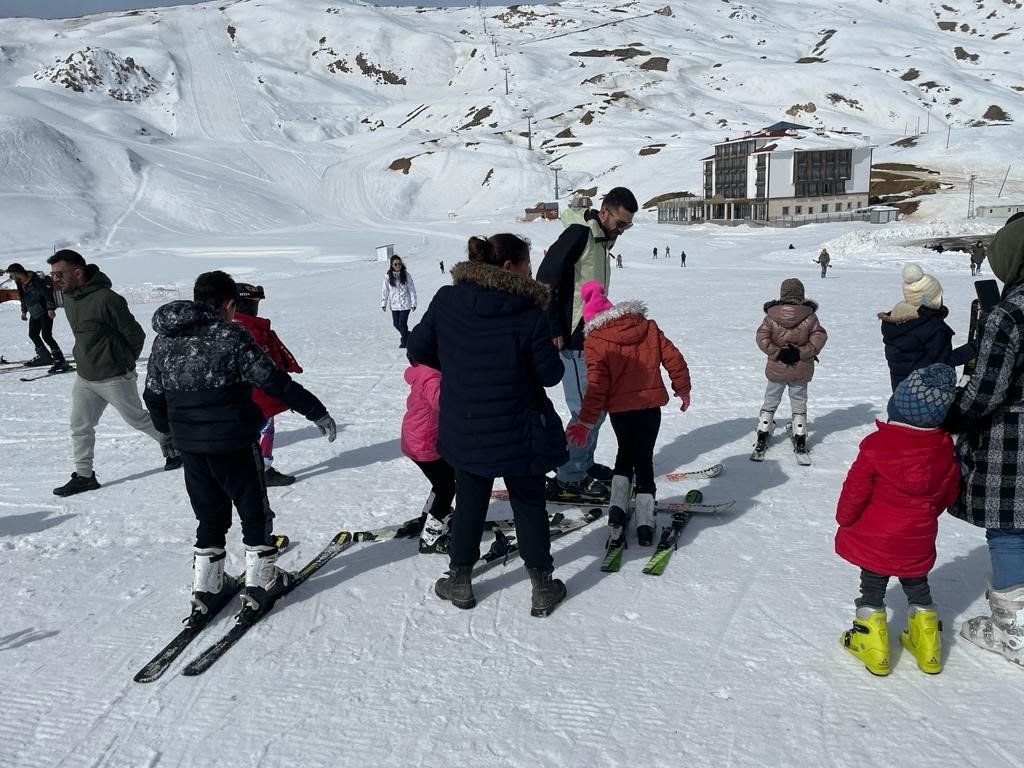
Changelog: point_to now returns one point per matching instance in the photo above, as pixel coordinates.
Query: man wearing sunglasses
(581, 253)
(108, 342)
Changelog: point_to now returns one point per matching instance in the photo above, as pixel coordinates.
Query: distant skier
(655, 252)
(977, 257)
(39, 308)
(824, 260)
(666, 252)
(442, 266)
(618, 260)
(682, 258)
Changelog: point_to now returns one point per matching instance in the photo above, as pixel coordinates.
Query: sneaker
(77, 484)
(601, 472)
(274, 478)
(172, 462)
(590, 488)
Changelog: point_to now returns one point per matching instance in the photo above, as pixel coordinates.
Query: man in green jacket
(108, 342)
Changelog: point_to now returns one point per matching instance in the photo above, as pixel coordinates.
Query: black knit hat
(250, 291)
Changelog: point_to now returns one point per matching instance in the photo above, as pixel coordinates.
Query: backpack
(57, 296)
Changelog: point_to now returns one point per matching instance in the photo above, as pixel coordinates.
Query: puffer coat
(991, 409)
(795, 324)
(624, 352)
(267, 340)
(888, 511)
(419, 425)
(489, 336)
(915, 337)
(400, 296)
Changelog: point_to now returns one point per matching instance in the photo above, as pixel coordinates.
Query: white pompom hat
(920, 289)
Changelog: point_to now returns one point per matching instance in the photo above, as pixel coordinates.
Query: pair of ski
(47, 375)
(803, 456)
(667, 544)
(504, 548)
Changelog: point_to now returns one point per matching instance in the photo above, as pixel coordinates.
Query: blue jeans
(1006, 551)
(574, 384)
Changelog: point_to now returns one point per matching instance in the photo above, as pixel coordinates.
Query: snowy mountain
(283, 142)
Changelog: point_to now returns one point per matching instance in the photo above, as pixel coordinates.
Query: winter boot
(273, 478)
(798, 428)
(1003, 631)
(264, 581)
(547, 592)
(59, 363)
(645, 523)
(434, 536)
(923, 639)
(457, 586)
(618, 500)
(172, 459)
(208, 580)
(43, 357)
(868, 640)
(77, 484)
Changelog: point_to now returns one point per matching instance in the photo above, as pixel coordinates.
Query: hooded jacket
(36, 296)
(199, 382)
(269, 342)
(786, 324)
(489, 336)
(108, 338)
(888, 511)
(915, 337)
(419, 425)
(624, 352)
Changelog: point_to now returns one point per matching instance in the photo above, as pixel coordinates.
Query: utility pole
(529, 131)
(928, 122)
(494, 42)
(1004, 180)
(506, 78)
(970, 197)
(949, 129)
(556, 169)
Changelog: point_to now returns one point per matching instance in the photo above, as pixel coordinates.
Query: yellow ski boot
(868, 640)
(923, 639)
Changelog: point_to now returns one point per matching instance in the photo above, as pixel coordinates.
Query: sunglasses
(59, 274)
(619, 223)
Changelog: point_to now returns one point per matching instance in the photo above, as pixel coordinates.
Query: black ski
(47, 375)
(667, 544)
(249, 618)
(193, 626)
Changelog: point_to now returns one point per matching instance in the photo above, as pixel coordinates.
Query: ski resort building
(783, 175)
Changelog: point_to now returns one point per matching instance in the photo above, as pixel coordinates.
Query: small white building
(385, 252)
(783, 174)
(997, 211)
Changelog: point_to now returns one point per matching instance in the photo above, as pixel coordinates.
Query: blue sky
(57, 9)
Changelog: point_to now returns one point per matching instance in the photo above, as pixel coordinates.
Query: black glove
(790, 355)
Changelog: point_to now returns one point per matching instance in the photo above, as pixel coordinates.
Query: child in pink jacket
(419, 443)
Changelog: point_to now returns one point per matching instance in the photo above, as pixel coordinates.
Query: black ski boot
(457, 586)
(43, 357)
(547, 591)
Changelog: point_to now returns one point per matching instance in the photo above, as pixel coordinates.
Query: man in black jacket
(581, 253)
(202, 370)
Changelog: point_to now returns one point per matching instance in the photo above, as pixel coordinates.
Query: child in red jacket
(419, 443)
(625, 352)
(905, 475)
(246, 315)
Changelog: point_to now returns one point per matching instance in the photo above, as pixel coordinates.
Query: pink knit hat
(594, 300)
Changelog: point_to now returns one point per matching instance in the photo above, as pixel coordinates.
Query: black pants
(872, 589)
(442, 482)
(400, 317)
(636, 432)
(473, 496)
(40, 329)
(216, 480)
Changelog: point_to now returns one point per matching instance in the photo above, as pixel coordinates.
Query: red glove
(577, 434)
(686, 402)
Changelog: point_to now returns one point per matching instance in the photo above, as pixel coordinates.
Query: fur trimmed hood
(623, 308)
(502, 280)
(625, 322)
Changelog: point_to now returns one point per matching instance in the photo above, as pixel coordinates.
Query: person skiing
(39, 307)
(489, 336)
(581, 254)
(655, 252)
(666, 252)
(990, 447)
(199, 382)
(914, 331)
(441, 263)
(625, 352)
(904, 477)
(682, 258)
(247, 315)
(977, 257)
(108, 342)
(824, 260)
(792, 338)
(399, 293)
(419, 443)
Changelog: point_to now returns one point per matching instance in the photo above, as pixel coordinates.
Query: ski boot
(798, 433)
(618, 498)
(434, 536)
(645, 523)
(208, 582)
(457, 586)
(43, 357)
(923, 639)
(1003, 631)
(547, 592)
(264, 581)
(765, 424)
(60, 365)
(868, 639)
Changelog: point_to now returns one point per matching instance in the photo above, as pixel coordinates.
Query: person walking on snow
(666, 252)
(399, 294)
(108, 342)
(202, 370)
(419, 443)
(682, 258)
(246, 315)
(625, 352)
(988, 415)
(824, 260)
(977, 257)
(791, 337)
(39, 307)
(579, 255)
(489, 336)
(655, 252)
(904, 477)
